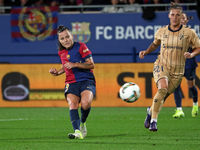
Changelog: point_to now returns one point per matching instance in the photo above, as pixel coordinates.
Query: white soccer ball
(129, 92)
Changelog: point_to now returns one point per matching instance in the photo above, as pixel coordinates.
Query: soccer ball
(129, 92)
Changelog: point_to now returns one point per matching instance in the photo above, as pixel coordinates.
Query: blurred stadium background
(114, 33)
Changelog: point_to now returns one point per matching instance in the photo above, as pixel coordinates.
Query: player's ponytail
(188, 18)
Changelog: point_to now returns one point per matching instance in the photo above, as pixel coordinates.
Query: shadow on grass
(56, 139)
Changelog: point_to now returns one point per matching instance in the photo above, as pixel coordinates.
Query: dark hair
(60, 29)
(175, 6)
(188, 18)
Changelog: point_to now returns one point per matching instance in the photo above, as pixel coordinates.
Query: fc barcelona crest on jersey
(81, 31)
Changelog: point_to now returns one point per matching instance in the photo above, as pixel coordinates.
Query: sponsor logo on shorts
(66, 87)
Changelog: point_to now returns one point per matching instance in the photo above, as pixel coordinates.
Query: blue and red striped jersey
(78, 53)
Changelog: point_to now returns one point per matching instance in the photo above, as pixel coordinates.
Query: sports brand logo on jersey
(165, 36)
(81, 31)
(181, 36)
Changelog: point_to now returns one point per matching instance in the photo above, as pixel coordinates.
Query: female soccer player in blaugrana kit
(174, 40)
(80, 87)
(190, 74)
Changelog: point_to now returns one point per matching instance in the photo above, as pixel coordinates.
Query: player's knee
(85, 104)
(73, 104)
(163, 83)
(162, 91)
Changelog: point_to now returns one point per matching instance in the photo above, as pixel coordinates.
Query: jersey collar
(174, 30)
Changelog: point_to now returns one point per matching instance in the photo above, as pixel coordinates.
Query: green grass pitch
(108, 129)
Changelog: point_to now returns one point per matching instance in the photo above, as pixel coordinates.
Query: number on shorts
(157, 69)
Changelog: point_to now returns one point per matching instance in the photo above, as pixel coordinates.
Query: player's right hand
(142, 54)
(53, 71)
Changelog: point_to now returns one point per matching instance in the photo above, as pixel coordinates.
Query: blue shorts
(78, 87)
(190, 73)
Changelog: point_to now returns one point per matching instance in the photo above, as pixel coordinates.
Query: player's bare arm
(150, 49)
(54, 72)
(89, 64)
(193, 54)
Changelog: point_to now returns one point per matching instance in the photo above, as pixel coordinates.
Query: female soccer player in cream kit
(80, 85)
(174, 40)
(190, 74)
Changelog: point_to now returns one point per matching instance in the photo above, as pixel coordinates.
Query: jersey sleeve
(84, 51)
(195, 41)
(157, 39)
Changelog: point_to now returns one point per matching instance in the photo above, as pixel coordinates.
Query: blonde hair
(175, 6)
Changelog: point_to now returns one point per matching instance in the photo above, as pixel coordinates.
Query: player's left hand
(187, 55)
(69, 65)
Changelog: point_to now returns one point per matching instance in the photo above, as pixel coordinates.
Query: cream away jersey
(173, 45)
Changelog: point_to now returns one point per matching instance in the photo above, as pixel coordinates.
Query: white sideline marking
(13, 119)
